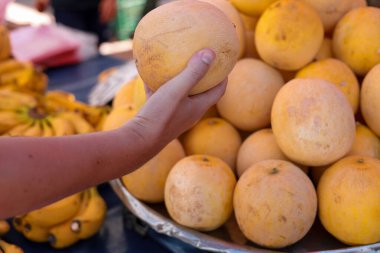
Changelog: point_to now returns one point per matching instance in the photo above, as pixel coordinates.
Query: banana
(56, 212)
(19, 77)
(9, 65)
(35, 129)
(10, 100)
(91, 219)
(47, 128)
(81, 126)
(34, 232)
(18, 130)
(61, 126)
(61, 236)
(103, 117)
(4, 227)
(6, 247)
(38, 83)
(9, 119)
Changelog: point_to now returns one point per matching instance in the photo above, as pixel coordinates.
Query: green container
(129, 13)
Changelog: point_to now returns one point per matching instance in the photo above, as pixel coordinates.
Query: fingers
(211, 96)
(196, 68)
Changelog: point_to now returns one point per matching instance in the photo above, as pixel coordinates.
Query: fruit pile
(28, 109)
(294, 139)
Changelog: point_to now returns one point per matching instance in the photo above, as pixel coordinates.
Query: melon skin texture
(168, 36)
(313, 122)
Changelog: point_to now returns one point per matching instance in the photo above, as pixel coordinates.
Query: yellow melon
(330, 11)
(370, 99)
(356, 39)
(132, 92)
(336, 72)
(325, 51)
(147, 183)
(199, 192)
(252, 7)
(227, 8)
(119, 116)
(213, 136)
(313, 122)
(260, 145)
(366, 143)
(247, 102)
(358, 3)
(348, 200)
(167, 37)
(275, 203)
(249, 33)
(289, 34)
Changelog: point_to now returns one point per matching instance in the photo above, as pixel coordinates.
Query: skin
(32, 176)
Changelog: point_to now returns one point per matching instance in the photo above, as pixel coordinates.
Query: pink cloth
(43, 44)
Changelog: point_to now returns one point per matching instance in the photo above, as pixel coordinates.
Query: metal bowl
(316, 240)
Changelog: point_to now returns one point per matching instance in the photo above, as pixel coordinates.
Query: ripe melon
(356, 39)
(132, 92)
(147, 183)
(251, 89)
(325, 51)
(336, 72)
(275, 203)
(366, 143)
(227, 8)
(213, 136)
(330, 11)
(289, 34)
(370, 99)
(349, 202)
(313, 122)
(119, 116)
(167, 37)
(199, 192)
(252, 7)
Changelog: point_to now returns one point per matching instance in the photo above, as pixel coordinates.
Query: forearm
(48, 169)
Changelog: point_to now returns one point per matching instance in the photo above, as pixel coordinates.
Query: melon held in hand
(167, 37)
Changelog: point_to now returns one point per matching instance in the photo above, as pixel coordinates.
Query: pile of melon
(295, 138)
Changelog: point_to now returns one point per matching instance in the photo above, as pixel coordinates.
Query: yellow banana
(61, 126)
(99, 125)
(34, 232)
(47, 128)
(9, 119)
(6, 247)
(35, 130)
(81, 126)
(38, 83)
(4, 227)
(10, 100)
(9, 65)
(91, 219)
(57, 212)
(19, 77)
(18, 130)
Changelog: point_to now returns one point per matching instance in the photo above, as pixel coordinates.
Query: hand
(170, 111)
(107, 10)
(41, 5)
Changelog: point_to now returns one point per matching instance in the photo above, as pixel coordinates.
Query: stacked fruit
(66, 221)
(17, 75)
(304, 94)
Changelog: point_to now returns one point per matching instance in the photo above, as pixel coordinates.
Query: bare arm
(37, 171)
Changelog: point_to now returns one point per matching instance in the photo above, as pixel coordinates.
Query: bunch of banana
(65, 222)
(22, 76)
(5, 44)
(6, 247)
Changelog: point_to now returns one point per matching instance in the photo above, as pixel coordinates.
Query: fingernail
(207, 57)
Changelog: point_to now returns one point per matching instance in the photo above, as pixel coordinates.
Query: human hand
(170, 110)
(107, 10)
(41, 5)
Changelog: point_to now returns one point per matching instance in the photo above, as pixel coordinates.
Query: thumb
(196, 68)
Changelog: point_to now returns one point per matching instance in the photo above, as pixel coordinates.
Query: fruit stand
(286, 160)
